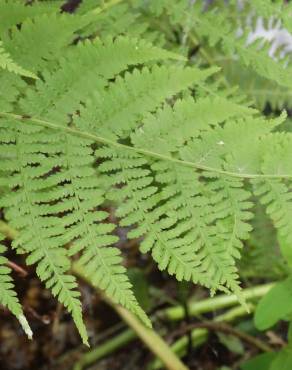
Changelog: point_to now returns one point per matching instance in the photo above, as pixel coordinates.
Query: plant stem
(104, 349)
(153, 341)
(211, 304)
(227, 329)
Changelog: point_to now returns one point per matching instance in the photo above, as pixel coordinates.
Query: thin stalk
(105, 349)
(149, 153)
(222, 327)
(211, 304)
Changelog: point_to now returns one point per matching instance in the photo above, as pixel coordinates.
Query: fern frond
(140, 206)
(117, 111)
(270, 9)
(168, 236)
(275, 194)
(234, 147)
(87, 228)
(13, 12)
(199, 213)
(8, 297)
(174, 147)
(42, 39)
(11, 87)
(235, 206)
(87, 68)
(7, 63)
(252, 56)
(171, 127)
(178, 221)
(261, 257)
(40, 234)
(260, 90)
(81, 224)
(116, 20)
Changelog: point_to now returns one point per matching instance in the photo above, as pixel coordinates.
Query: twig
(227, 329)
(17, 268)
(200, 335)
(45, 319)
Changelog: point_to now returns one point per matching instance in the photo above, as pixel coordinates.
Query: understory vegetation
(146, 166)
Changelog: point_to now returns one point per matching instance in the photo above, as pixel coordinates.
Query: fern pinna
(86, 121)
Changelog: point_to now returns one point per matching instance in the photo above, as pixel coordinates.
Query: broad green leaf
(274, 306)
(283, 360)
(233, 344)
(261, 362)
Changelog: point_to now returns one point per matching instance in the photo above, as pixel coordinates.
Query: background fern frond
(13, 12)
(41, 39)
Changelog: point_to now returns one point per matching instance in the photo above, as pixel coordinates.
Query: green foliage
(262, 361)
(7, 63)
(8, 296)
(262, 257)
(113, 119)
(274, 306)
(283, 360)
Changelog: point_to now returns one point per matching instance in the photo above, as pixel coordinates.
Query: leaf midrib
(149, 153)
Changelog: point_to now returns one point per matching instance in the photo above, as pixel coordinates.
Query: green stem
(211, 304)
(149, 337)
(108, 347)
(149, 153)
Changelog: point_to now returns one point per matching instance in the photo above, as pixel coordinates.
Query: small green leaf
(283, 360)
(274, 306)
(261, 362)
(233, 344)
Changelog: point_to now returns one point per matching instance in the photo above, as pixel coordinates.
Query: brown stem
(227, 329)
(17, 268)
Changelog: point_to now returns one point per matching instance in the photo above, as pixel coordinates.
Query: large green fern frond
(69, 163)
(115, 119)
